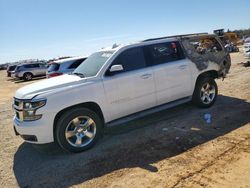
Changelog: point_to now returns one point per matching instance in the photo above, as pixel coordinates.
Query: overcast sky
(51, 28)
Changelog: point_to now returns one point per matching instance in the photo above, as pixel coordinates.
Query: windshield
(92, 65)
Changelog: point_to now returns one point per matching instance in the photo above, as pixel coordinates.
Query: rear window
(53, 67)
(11, 68)
(76, 63)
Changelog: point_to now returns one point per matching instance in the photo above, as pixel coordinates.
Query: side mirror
(116, 68)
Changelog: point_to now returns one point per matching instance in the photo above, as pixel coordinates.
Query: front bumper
(37, 132)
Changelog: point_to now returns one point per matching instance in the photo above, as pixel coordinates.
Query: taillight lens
(55, 74)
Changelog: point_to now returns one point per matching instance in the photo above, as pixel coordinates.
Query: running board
(141, 114)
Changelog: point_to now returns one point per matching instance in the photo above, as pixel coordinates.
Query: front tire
(78, 129)
(205, 93)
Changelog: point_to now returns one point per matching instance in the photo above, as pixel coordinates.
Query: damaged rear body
(205, 49)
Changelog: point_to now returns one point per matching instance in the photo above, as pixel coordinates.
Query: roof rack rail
(185, 35)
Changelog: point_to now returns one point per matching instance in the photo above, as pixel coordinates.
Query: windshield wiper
(79, 74)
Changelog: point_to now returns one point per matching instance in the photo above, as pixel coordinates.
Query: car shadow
(139, 143)
(10, 79)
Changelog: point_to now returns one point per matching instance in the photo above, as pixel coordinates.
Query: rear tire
(205, 92)
(78, 129)
(27, 76)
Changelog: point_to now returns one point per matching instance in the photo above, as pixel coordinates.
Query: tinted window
(18, 68)
(163, 53)
(53, 67)
(42, 65)
(131, 59)
(76, 63)
(11, 68)
(29, 66)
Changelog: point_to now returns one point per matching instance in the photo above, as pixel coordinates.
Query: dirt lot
(173, 148)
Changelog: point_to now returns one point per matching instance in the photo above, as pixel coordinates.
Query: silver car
(64, 66)
(28, 71)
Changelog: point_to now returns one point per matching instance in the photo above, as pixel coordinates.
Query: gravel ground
(173, 148)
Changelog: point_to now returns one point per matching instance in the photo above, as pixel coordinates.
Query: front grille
(18, 107)
(16, 102)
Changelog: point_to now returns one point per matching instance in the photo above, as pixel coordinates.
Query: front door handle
(146, 76)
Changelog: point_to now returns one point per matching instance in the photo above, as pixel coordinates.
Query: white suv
(113, 85)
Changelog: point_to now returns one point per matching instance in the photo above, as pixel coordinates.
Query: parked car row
(27, 71)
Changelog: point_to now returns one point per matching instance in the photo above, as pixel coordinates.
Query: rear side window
(205, 45)
(131, 59)
(42, 65)
(30, 66)
(76, 63)
(163, 53)
(53, 67)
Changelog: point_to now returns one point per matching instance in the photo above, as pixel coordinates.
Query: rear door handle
(146, 76)
(182, 67)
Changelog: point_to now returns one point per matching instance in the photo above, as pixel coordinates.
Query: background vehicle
(10, 69)
(64, 66)
(246, 49)
(29, 71)
(231, 47)
(115, 85)
(227, 37)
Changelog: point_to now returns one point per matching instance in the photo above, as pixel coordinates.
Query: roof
(116, 47)
(178, 36)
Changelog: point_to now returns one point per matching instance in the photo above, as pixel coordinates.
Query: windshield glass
(93, 63)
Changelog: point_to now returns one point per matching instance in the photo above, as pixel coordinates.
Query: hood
(46, 86)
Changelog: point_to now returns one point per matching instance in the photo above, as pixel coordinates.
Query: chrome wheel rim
(80, 131)
(207, 93)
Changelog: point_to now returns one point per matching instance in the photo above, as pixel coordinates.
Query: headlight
(34, 104)
(30, 108)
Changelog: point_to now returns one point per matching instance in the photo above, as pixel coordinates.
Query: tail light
(55, 74)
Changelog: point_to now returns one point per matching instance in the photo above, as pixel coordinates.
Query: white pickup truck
(118, 84)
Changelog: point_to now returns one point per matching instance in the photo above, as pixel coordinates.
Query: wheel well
(213, 74)
(89, 105)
